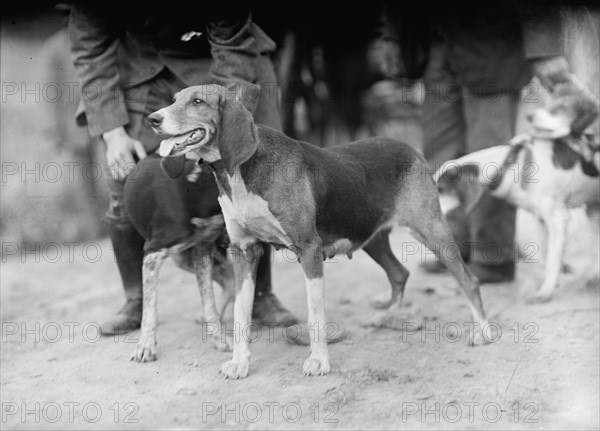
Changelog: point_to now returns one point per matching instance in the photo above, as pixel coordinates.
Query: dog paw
(316, 367)
(477, 338)
(222, 343)
(379, 304)
(235, 370)
(144, 352)
(397, 318)
(538, 298)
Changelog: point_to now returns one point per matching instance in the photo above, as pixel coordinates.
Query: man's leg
(491, 121)
(444, 132)
(267, 308)
(128, 246)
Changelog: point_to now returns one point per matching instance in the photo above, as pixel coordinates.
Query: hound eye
(198, 101)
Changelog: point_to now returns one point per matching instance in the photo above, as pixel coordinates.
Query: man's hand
(551, 71)
(120, 148)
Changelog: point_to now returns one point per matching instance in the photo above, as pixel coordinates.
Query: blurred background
(341, 78)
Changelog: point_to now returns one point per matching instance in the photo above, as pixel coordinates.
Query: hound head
(211, 121)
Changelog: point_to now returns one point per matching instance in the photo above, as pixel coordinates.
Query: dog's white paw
(476, 338)
(222, 343)
(538, 298)
(235, 369)
(145, 351)
(401, 319)
(316, 367)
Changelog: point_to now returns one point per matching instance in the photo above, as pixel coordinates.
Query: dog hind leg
(434, 233)
(380, 251)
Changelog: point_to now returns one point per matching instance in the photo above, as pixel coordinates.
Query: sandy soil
(57, 373)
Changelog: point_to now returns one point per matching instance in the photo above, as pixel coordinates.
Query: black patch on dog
(161, 208)
(589, 168)
(563, 157)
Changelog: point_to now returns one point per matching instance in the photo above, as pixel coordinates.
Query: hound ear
(236, 137)
(173, 166)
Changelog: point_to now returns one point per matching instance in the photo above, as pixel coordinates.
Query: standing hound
(315, 202)
(179, 218)
(546, 173)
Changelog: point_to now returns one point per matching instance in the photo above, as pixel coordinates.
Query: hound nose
(529, 117)
(155, 119)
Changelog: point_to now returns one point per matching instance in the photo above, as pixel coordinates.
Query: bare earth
(542, 373)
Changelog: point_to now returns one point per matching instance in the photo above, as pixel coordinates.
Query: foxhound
(316, 202)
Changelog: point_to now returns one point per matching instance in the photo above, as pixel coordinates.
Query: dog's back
(161, 208)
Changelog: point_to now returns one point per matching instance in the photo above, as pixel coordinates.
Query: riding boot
(128, 246)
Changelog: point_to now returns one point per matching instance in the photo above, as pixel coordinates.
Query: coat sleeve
(94, 43)
(236, 46)
(542, 33)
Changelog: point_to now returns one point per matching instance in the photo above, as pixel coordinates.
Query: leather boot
(267, 308)
(128, 247)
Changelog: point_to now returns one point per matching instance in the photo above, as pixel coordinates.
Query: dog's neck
(221, 174)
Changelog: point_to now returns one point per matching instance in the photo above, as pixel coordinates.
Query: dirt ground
(541, 373)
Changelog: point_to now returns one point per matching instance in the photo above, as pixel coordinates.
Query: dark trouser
(145, 99)
(457, 121)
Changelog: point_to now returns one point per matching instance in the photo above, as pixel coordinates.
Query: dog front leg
(556, 220)
(244, 269)
(203, 267)
(146, 347)
(318, 361)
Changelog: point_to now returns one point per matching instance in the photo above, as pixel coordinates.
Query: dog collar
(510, 160)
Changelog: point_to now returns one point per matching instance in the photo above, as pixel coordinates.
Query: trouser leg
(490, 122)
(128, 247)
(444, 134)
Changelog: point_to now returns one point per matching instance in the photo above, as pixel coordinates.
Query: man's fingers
(139, 149)
(127, 164)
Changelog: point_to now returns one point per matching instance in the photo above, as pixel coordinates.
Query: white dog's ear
(236, 135)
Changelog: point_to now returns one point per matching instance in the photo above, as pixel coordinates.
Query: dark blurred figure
(479, 58)
(84, 205)
(132, 59)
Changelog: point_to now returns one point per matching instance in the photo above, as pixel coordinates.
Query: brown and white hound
(546, 172)
(315, 202)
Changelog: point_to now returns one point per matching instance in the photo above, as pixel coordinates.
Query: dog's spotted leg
(203, 267)
(146, 347)
(312, 264)
(223, 274)
(244, 268)
(556, 220)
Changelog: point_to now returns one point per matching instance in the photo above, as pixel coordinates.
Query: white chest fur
(248, 217)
